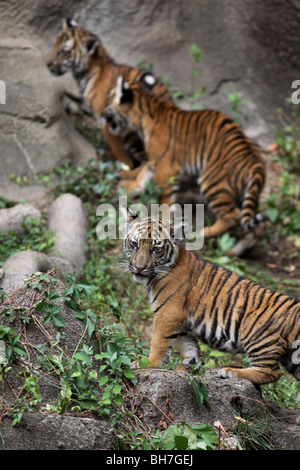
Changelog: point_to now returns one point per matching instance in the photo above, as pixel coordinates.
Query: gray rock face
(226, 398)
(36, 133)
(67, 221)
(167, 397)
(53, 432)
(249, 46)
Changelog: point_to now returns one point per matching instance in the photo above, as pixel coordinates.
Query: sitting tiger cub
(95, 71)
(205, 146)
(190, 296)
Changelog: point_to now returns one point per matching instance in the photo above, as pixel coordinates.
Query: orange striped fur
(205, 146)
(195, 300)
(96, 72)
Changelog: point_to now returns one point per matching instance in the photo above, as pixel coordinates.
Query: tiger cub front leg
(223, 223)
(163, 337)
(116, 146)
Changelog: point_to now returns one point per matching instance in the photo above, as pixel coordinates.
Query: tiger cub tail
(250, 218)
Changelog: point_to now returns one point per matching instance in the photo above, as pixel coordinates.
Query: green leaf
(117, 389)
(73, 304)
(181, 442)
(59, 321)
(201, 393)
(129, 374)
(226, 242)
(41, 305)
(272, 214)
(93, 374)
(113, 350)
(206, 432)
(103, 380)
(90, 327)
(143, 363)
(88, 404)
(20, 350)
(169, 437)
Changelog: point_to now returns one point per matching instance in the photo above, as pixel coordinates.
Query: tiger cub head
(73, 50)
(151, 246)
(125, 100)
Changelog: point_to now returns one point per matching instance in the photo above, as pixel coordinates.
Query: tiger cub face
(73, 49)
(151, 247)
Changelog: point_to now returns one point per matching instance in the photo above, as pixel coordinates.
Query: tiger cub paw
(130, 186)
(192, 356)
(182, 368)
(226, 373)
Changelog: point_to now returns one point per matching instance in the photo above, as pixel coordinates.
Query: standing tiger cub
(81, 52)
(206, 147)
(190, 296)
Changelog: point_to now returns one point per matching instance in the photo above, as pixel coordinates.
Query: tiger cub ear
(131, 215)
(68, 23)
(123, 93)
(148, 80)
(128, 214)
(90, 44)
(178, 230)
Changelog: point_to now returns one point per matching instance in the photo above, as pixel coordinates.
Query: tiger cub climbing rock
(205, 146)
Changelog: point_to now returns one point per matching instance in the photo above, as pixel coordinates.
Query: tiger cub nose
(140, 268)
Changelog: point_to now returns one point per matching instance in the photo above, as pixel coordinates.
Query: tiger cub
(190, 296)
(95, 71)
(205, 146)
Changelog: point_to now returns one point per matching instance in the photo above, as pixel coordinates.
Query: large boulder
(165, 398)
(249, 46)
(66, 221)
(42, 428)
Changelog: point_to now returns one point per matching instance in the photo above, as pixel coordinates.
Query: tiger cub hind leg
(257, 375)
(188, 348)
(248, 241)
(116, 146)
(223, 223)
(291, 361)
(141, 176)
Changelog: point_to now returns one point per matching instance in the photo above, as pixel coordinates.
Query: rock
(67, 220)
(52, 432)
(166, 389)
(44, 429)
(35, 193)
(13, 217)
(36, 133)
(166, 397)
(249, 47)
(21, 265)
